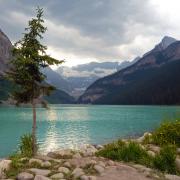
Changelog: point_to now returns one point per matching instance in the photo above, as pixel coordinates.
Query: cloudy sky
(81, 31)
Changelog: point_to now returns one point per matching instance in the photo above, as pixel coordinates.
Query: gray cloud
(98, 29)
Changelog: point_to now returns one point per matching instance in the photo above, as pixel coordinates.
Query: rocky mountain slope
(154, 79)
(5, 49)
(82, 76)
(58, 96)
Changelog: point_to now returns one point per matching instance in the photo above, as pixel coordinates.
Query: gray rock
(172, 177)
(93, 162)
(57, 176)
(46, 164)
(178, 150)
(92, 178)
(154, 148)
(64, 153)
(77, 172)
(100, 163)
(84, 177)
(111, 163)
(4, 166)
(42, 172)
(99, 169)
(177, 164)
(67, 164)
(64, 170)
(25, 176)
(141, 139)
(77, 155)
(151, 153)
(40, 177)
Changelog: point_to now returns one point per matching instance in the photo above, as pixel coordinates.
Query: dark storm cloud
(101, 29)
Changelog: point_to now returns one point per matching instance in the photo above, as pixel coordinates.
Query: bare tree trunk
(34, 148)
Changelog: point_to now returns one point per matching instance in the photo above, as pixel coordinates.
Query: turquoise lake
(70, 126)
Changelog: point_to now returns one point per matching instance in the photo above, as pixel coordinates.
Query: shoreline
(84, 164)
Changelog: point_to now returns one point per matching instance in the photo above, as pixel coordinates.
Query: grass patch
(130, 152)
(165, 160)
(26, 145)
(167, 133)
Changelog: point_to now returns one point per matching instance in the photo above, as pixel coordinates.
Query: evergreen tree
(29, 57)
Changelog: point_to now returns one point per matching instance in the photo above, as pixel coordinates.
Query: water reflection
(66, 129)
(51, 115)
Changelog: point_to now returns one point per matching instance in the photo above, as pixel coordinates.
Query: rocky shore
(83, 164)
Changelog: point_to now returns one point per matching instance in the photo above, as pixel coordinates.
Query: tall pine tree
(29, 57)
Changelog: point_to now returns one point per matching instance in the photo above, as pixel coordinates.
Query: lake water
(69, 126)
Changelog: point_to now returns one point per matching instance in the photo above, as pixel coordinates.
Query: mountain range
(153, 79)
(81, 76)
(150, 79)
(6, 87)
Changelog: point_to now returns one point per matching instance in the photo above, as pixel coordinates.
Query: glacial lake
(70, 126)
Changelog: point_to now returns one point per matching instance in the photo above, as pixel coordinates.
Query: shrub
(26, 145)
(167, 133)
(131, 152)
(165, 160)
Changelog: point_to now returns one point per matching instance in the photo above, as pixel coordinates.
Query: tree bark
(34, 145)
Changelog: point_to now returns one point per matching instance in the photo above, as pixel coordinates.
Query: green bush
(130, 152)
(26, 145)
(165, 160)
(167, 133)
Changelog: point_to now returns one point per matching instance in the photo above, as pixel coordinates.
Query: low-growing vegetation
(167, 136)
(26, 145)
(21, 157)
(167, 133)
(128, 152)
(165, 160)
